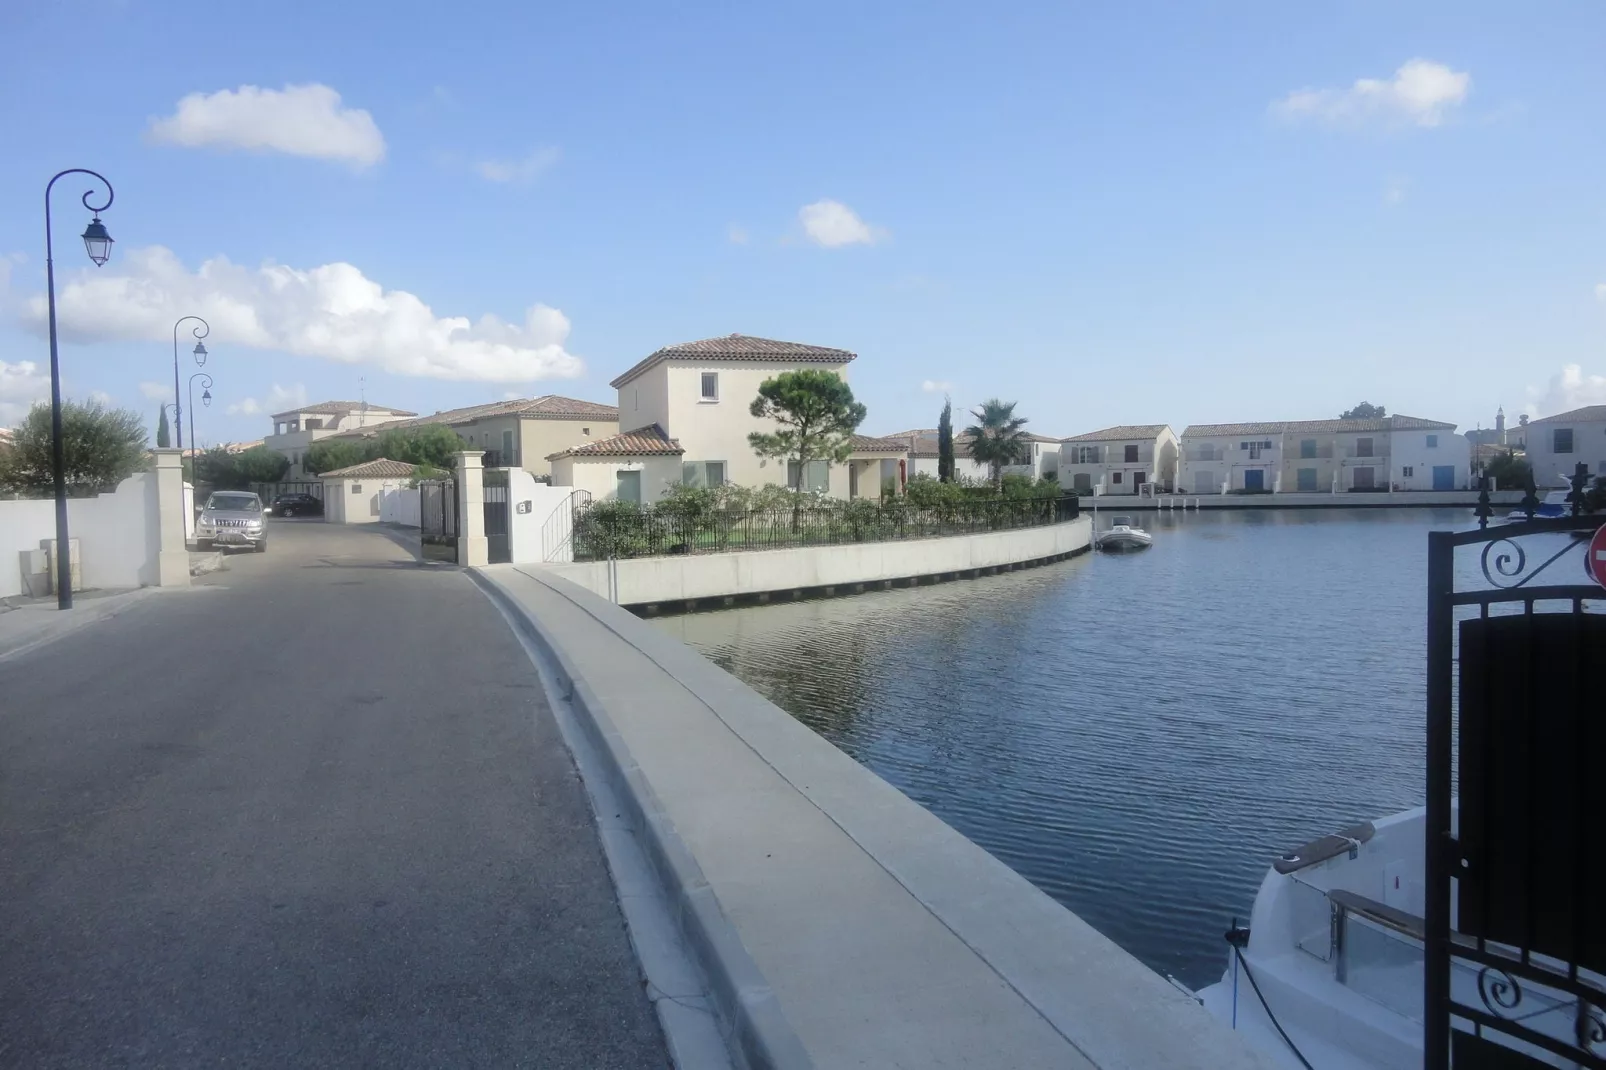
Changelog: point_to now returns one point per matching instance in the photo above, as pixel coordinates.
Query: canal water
(1138, 735)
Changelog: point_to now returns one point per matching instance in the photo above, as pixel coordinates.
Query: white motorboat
(1328, 975)
(1122, 535)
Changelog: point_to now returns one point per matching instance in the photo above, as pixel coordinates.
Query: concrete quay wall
(837, 922)
(692, 580)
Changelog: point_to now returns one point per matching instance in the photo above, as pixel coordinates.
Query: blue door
(1444, 477)
(1254, 479)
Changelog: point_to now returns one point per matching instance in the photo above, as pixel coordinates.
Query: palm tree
(996, 438)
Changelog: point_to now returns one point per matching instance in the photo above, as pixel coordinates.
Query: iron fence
(623, 529)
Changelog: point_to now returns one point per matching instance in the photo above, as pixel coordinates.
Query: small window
(716, 473)
(313, 424)
(356, 488)
(586, 431)
(1561, 440)
(1433, 442)
(817, 477)
(507, 446)
(1131, 454)
(1115, 477)
(1408, 471)
(710, 386)
(635, 397)
(1307, 448)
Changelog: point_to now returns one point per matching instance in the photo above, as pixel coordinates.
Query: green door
(1307, 479)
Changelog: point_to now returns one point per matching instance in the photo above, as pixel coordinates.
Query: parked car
(296, 505)
(231, 518)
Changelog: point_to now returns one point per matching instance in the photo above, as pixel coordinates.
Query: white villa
(520, 433)
(1119, 460)
(295, 430)
(686, 410)
(1041, 461)
(1557, 443)
(1324, 456)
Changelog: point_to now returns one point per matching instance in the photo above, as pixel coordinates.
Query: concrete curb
(56, 624)
(758, 1033)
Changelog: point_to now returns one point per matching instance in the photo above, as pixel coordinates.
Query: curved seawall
(683, 582)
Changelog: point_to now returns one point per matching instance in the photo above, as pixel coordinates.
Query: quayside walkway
(839, 924)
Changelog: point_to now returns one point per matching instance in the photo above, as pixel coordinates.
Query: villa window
(703, 473)
(1561, 440)
(507, 446)
(1363, 447)
(1407, 471)
(1115, 477)
(710, 386)
(1433, 442)
(816, 477)
(1084, 455)
(356, 488)
(1307, 448)
(586, 431)
(1131, 454)
(314, 424)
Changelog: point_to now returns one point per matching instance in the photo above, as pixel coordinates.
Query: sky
(1108, 213)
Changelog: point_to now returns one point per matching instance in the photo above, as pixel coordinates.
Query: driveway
(313, 812)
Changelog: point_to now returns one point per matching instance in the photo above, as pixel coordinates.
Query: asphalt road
(316, 813)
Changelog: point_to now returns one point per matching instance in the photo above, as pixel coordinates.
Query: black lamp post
(206, 399)
(98, 244)
(200, 362)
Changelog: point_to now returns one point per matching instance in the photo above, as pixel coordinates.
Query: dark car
(296, 505)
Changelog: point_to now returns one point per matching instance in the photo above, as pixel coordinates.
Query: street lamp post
(200, 362)
(98, 244)
(206, 399)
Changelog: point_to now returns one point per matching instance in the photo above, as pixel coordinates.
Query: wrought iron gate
(1515, 947)
(498, 550)
(437, 519)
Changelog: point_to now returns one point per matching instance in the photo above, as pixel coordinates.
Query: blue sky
(1122, 214)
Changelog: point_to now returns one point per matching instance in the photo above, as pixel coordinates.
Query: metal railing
(623, 529)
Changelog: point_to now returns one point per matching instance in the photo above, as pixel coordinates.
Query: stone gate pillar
(172, 554)
(471, 546)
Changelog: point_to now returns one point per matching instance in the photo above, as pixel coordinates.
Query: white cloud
(301, 120)
(279, 399)
(522, 170)
(21, 384)
(333, 312)
(937, 386)
(102, 398)
(1568, 389)
(153, 391)
(737, 235)
(1420, 93)
(832, 224)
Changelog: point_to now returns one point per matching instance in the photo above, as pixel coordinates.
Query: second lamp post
(200, 361)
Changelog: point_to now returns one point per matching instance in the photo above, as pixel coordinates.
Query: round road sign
(1595, 561)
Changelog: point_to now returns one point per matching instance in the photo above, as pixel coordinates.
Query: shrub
(925, 491)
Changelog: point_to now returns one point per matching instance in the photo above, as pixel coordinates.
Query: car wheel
(261, 546)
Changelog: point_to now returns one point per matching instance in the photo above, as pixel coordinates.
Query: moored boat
(1122, 535)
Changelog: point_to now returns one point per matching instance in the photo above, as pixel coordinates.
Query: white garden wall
(118, 534)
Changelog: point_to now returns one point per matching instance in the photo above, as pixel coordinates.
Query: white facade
(1394, 453)
(295, 430)
(1556, 444)
(1119, 460)
(641, 479)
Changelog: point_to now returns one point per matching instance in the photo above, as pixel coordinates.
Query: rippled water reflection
(1137, 735)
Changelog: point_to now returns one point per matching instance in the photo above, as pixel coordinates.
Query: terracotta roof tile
(1587, 413)
(739, 347)
(379, 468)
(549, 406)
(336, 408)
(649, 441)
(1120, 431)
(871, 444)
(1317, 427)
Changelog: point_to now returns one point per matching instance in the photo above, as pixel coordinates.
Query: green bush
(1020, 487)
(925, 491)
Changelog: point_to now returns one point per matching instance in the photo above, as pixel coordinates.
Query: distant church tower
(1500, 425)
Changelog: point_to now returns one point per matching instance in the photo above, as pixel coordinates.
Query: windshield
(235, 503)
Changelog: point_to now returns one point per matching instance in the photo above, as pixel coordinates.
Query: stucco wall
(1157, 462)
(643, 581)
(118, 535)
(542, 438)
(600, 475)
(356, 501)
(1552, 469)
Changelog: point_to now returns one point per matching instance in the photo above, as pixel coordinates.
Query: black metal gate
(497, 548)
(437, 519)
(1515, 941)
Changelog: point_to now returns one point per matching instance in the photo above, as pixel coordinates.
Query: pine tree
(162, 435)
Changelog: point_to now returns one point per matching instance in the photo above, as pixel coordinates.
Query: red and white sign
(1595, 557)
